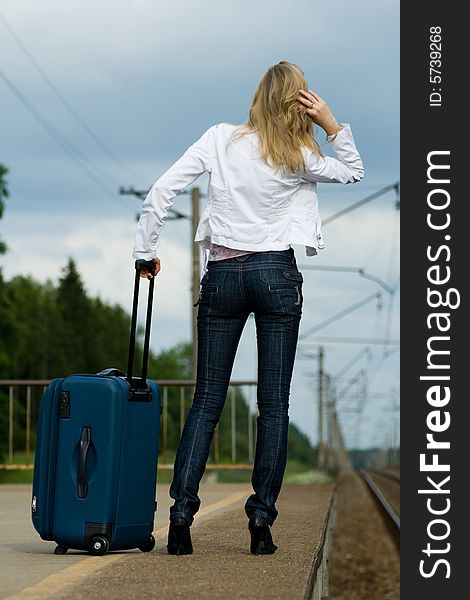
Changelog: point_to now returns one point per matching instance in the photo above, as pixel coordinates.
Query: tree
(6, 334)
(109, 337)
(6, 338)
(175, 363)
(76, 319)
(5, 325)
(3, 194)
(94, 335)
(25, 316)
(49, 330)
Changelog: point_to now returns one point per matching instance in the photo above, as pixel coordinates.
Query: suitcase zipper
(49, 501)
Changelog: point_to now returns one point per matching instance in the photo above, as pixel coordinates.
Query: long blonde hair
(280, 119)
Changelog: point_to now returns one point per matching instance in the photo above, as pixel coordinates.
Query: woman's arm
(194, 162)
(348, 167)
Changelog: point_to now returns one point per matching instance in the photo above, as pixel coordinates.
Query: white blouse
(251, 206)
(217, 252)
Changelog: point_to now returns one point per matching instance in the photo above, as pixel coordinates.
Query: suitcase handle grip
(111, 372)
(84, 446)
(150, 266)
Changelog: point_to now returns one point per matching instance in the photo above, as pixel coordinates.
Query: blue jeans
(268, 284)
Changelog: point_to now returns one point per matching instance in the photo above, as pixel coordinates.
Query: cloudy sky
(95, 95)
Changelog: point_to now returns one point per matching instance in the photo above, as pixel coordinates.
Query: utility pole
(195, 194)
(321, 448)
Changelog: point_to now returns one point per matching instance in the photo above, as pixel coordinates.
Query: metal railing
(20, 400)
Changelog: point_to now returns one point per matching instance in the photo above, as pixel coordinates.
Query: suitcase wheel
(99, 545)
(59, 549)
(149, 545)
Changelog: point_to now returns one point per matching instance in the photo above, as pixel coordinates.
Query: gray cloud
(149, 78)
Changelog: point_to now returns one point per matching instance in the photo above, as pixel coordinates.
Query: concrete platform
(221, 566)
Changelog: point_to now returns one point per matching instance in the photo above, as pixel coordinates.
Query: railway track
(386, 473)
(383, 496)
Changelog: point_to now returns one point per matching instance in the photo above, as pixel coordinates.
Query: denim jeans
(268, 284)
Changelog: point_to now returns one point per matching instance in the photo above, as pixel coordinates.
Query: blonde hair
(280, 120)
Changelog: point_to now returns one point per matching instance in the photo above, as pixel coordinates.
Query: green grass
(19, 458)
(164, 475)
(16, 477)
(295, 473)
(232, 476)
(310, 476)
(20, 476)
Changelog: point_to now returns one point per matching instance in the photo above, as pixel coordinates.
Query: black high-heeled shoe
(179, 538)
(261, 539)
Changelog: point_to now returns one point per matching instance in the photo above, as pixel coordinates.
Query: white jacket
(250, 205)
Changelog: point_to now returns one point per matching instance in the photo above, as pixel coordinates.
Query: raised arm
(347, 167)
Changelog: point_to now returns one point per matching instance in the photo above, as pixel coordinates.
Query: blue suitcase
(95, 466)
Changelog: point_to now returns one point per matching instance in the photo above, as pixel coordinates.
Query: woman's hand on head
(146, 274)
(319, 111)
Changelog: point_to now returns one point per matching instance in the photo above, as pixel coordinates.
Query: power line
(357, 378)
(340, 314)
(364, 352)
(351, 340)
(58, 137)
(358, 270)
(394, 186)
(173, 214)
(53, 132)
(393, 246)
(326, 188)
(382, 360)
(64, 101)
(388, 321)
(391, 290)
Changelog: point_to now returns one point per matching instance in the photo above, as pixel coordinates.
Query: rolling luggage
(95, 466)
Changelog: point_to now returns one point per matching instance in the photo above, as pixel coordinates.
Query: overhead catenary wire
(349, 188)
(394, 186)
(391, 290)
(380, 238)
(389, 316)
(173, 214)
(322, 339)
(60, 139)
(355, 359)
(380, 361)
(391, 299)
(360, 271)
(358, 377)
(64, 101)
(326, 188)
(340, 314)
(394, 246)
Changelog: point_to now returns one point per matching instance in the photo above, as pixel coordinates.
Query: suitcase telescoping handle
(149, 266)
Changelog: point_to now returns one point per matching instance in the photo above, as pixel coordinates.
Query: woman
(261, 199)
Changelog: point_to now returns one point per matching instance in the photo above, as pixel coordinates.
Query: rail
(20, 402)
(381, 499)
(386, 473)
